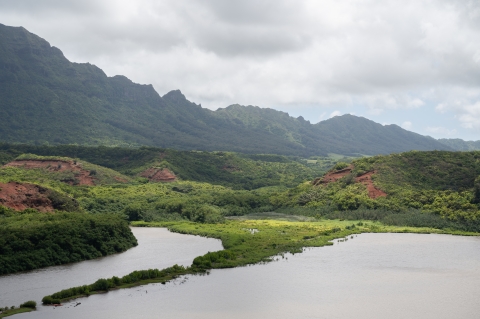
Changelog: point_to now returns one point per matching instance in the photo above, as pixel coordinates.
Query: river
(368, 276)
(157, 248)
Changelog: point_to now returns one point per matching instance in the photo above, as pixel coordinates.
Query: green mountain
(346, 134)
(44, 98)
(460, 145)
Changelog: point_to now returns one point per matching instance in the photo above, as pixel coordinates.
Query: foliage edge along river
(246, 242)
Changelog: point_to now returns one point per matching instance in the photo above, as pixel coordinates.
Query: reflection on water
(157, 248)
(368, 276)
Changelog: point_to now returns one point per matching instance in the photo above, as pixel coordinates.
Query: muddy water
(369, 276)
(157, 248)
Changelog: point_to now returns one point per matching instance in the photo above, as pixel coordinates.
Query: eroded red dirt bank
(20, 196)
(365, 179)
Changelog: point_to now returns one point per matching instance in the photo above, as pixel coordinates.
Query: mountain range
(46, 99)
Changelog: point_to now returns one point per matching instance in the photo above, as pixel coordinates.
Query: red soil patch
(159, 175)
(20, 196)
(333, 176)
(82, 176)
(365, 179)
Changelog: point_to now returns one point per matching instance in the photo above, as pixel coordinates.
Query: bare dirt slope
(20, 196)
(365, 179)
(159, 175)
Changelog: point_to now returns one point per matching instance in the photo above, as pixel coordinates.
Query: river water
(369, 276)
(157, 248)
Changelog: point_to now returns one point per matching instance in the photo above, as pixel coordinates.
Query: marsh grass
(273, 216)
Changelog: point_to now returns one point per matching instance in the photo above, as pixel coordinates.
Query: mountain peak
(175, 96)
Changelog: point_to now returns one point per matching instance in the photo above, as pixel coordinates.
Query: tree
(476, 191)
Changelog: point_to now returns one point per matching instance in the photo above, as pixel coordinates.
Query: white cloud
(464, 103)
(288, 54)
(407, 125)
(441, 131)
(335, 113)
(322, 116)
(470, 115)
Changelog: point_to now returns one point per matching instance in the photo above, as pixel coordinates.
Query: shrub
(349, 179)
(29, 304)
(100, 284)
(340, 165)
(476, 191)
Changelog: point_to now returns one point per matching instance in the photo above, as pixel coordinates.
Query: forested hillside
(31, 240)
(44, 98)
(235, 170)
(460, 145)
(436, 189)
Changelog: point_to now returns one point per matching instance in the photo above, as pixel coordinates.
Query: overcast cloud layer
(413, 63)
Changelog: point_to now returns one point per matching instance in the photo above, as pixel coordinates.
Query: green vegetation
(245, 242)
(46, 99)
(237, 198)
(423, 189)
(238, 171)
(434, 189)
(200, 202)
(135, 278)
(24, 307)
(101, 175)
(340, 166)
(30, 240)
(13, 311)
(460, 145)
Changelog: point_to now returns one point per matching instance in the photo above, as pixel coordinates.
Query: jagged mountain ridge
(44, 98)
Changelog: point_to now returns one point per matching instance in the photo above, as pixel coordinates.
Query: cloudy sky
(415, 63)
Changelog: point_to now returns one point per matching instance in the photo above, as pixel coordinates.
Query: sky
(414, 63)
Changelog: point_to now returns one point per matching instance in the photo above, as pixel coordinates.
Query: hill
(118, 165)
(44, 98)
(439, 189)
(460, 145)
(62, 169)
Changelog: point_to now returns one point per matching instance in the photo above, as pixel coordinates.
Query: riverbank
(245, 242)
(15, 311)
